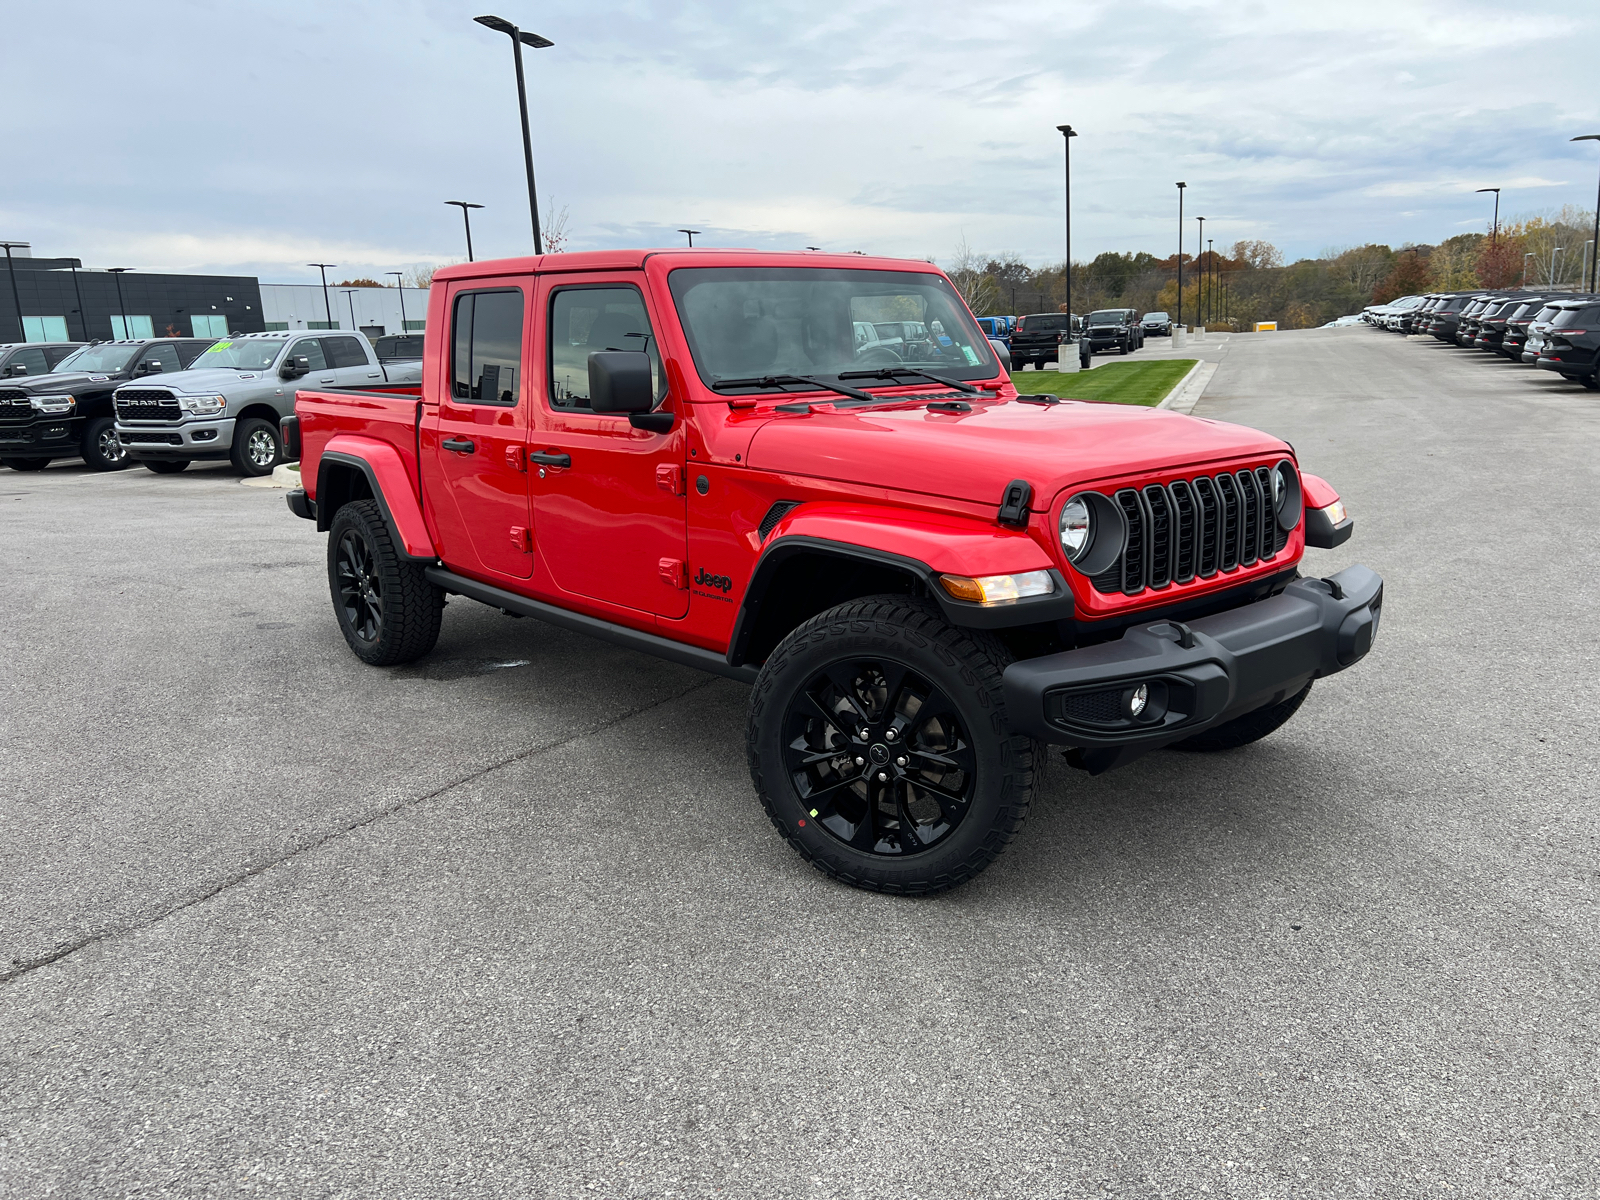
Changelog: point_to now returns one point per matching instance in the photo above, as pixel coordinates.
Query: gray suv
(230, 400)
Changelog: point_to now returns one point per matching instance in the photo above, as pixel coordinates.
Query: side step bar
(621, 635)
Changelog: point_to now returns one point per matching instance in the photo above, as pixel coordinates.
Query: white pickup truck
(230, 400)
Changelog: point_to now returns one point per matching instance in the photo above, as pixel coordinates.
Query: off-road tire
(165, 466)
(966, 666)
(1251, 727)
(25, 464)
(101, 452)
(248, 435)
(410, 606)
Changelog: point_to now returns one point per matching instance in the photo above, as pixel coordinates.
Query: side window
(33, 360)
(310, 348)
(167, 356)
(584, 320)
(345, 352)
(486, 349)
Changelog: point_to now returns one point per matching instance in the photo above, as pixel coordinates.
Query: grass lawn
(1119, 382)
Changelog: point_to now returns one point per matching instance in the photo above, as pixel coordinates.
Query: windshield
(1155, 316)
(253, 354)
(98, 359)
(755, 321)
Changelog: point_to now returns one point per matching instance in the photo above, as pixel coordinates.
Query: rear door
(612, 524)
(348, 358)
(483, 425)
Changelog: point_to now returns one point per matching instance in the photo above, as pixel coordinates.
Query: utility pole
(327, 309)
(518, 40)
(122, 306)
(1067, 134)
(1181, 186)
(399, 282)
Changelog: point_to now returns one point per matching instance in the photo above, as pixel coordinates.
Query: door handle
(461, 444)
(326, 379)
(550, 458)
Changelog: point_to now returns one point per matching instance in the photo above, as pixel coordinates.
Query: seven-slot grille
(14, 403)
(147, 404)
(1193, 528)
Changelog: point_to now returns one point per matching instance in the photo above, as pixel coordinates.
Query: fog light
(1139, 698)
(998, 589)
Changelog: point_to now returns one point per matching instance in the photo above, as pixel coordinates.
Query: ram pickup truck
(229, 402)
(67, 412)
(924, 576)
(1036, 338)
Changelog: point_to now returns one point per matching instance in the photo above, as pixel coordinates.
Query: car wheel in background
(101, 448)
(25, 464)
(255, 447)
(387, 610)
(165, 466)
(1591, 382)
(878, 745)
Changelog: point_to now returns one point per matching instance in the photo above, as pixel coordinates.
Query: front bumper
(191, 439)
(47, 437)
(1197, 675)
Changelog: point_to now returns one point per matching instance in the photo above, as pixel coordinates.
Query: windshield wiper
(768, 381)
(891, 372)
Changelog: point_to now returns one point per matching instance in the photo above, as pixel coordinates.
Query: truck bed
(386, 413)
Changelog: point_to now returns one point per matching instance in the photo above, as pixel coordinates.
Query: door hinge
(674, 573)
(669, 478)
(522, 538)
(514, 458)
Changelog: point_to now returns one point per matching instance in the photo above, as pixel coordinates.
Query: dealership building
(61, 300)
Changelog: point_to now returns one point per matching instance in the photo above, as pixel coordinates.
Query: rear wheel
(1251, 727)
(878, 744)
(165, 466)
(255, 447)
(1591, 382)
(101, 447)
(25, 464)
(387, 610)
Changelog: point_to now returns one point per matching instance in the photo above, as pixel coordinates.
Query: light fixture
(998, 589)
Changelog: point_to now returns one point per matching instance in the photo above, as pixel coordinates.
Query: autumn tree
(1408, 277)
(359, 283)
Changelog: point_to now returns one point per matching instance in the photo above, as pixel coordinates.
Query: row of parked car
(167, 402)
(1559, 331)
(1036, 337)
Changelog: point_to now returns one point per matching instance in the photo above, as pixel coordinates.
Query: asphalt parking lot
(511, 922)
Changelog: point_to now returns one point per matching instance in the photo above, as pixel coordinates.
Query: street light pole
(1593, 137)
(16, 297)
(122, 306)
(1525, 258)
(1200, 287)
(349, 296)
(1067, 134)
(399, 278)
(518, 40)
(1181, 186)
(691, 233)
(1494, 237)
(1211, 242)
(466, 218)
(327, 309)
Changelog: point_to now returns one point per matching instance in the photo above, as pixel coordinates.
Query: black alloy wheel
(102, 448)
(879, 746)
(360, 596)
(878, 756)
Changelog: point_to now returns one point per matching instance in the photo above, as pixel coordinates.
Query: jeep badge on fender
(925, 603)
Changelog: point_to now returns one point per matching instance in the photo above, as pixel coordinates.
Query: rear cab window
(486, 348)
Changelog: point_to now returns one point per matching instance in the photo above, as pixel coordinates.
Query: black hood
(66, 381)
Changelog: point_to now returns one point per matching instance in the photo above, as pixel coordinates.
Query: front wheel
(387, 610)
(102, 449)
(25, 464)
(1251, 727)
(878, 745)
(255, 447)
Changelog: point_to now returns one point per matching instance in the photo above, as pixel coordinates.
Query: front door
(483, 426)
(612, 525)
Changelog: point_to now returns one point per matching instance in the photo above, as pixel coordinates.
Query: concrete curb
(1181, 384)
(284, 475)
(1191, 387)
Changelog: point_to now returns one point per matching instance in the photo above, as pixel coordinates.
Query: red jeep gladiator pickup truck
(810, 473)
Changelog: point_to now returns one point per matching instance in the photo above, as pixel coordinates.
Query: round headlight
(1287, 498)
(1076, 527)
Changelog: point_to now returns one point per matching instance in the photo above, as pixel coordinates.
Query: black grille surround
(1196, 528)
(147, 404)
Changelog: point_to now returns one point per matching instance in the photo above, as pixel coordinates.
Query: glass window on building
(277, 326)
(126, 325)
(45, 329)
(209, 325)
(416, 326)
(322, 324)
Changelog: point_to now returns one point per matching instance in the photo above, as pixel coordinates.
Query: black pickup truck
(32, 358)
(1037, 337)
(67, 413)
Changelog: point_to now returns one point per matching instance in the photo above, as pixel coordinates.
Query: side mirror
(297, 366)
(619, 381)
(17, 369)
(149, 366)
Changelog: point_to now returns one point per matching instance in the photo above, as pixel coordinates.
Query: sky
(253, 138)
